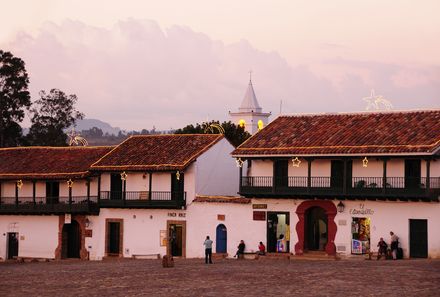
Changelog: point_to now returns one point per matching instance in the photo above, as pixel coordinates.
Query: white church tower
(250, 115)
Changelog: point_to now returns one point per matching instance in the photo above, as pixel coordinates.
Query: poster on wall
(163, 238)
(360, 232)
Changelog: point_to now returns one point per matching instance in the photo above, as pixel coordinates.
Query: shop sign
(174, 214)
(221, 217)
(361, 210)
(259, 215)
(259, 206)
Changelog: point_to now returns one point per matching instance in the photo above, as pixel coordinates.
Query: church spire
(250, 102)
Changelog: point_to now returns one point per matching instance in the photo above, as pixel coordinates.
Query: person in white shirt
(208, 250)
(394, 244)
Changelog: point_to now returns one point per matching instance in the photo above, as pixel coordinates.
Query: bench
(146, 256)
(248, 255)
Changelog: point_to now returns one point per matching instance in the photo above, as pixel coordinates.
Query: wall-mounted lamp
(365, 162)
(239, 162)
(70, 183)
(19, 183)
(124, 176)
(296, 162)
(341, 207)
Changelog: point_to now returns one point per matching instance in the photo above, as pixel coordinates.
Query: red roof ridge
(57, 147)
(364, 112)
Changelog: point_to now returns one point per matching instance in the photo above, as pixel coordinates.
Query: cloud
(138, 75)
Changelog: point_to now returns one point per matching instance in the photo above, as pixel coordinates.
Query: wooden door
(412, 174)
(52, 192)
(221, 239)
(281, 173)
(337, 174)
(114, 240)
(115, 186)
(418, 238)
(12, 245)
(177, 186)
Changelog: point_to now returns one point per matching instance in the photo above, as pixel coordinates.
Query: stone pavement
(224, 278)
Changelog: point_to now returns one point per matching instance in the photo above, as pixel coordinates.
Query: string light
(296, 162)
(365, 162)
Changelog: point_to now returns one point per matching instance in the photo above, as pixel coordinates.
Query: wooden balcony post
(70, 196)
(88, 190)
(150, 185)
(428, 176)
(309, 175)
(344, 178)
(34, 191)
(125, 190)
(384, 176)
(0, 193)
(16, 194)
(241, 178)
(99, 187)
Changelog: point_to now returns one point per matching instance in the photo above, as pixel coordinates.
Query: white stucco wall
(216, 171)
(38, 235)
(261, 168)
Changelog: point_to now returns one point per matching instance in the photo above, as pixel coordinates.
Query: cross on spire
(250, 75)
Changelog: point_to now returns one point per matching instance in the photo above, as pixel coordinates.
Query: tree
(51, 115)
(14, 98)
(235, 134)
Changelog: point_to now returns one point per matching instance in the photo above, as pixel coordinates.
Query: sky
(139, 64)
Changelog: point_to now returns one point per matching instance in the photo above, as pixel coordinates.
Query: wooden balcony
(143, 199)
(391, 188)
(49, 205)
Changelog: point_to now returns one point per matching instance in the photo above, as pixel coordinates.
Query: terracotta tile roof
(48, 162)
(357, 134)
(222, 199)
(157, 152)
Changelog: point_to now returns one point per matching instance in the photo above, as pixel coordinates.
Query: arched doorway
(71, 240)
(315, 229)
(319, 214)
(221, 239)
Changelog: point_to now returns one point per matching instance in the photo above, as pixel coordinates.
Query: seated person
(261, 249)
(240, 250)
(382, 248)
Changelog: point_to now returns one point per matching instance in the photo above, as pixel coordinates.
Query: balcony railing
(392, 187)
(49, 205)
(143, 199)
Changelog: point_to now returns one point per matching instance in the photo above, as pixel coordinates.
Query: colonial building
(337, 183)
(250, 115)
(95, 202)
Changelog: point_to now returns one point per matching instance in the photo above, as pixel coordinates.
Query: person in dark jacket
(240, 249)
(382, 248)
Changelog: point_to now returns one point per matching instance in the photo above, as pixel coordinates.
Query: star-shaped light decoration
(374, 102)
(296, 162)
(178, 175)
(124, 176)
(70, 183)
(19, 183)
(365, 162)
(239, 162)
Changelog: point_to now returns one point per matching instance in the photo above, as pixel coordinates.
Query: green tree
(51, 115)
(14, 98)
(235, 134)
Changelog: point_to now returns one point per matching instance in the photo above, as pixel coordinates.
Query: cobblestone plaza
(191, 277)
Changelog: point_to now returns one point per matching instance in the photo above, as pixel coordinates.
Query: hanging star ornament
(377, 102)
(19, 183)
(178, 175)
(69, 183)
(296, 162)
(365, 162)
(123, 176)
(239, 162)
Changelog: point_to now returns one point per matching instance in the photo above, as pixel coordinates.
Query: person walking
(208, 250)
(394, 245)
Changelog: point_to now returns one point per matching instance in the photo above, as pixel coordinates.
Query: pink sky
(136, 64)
